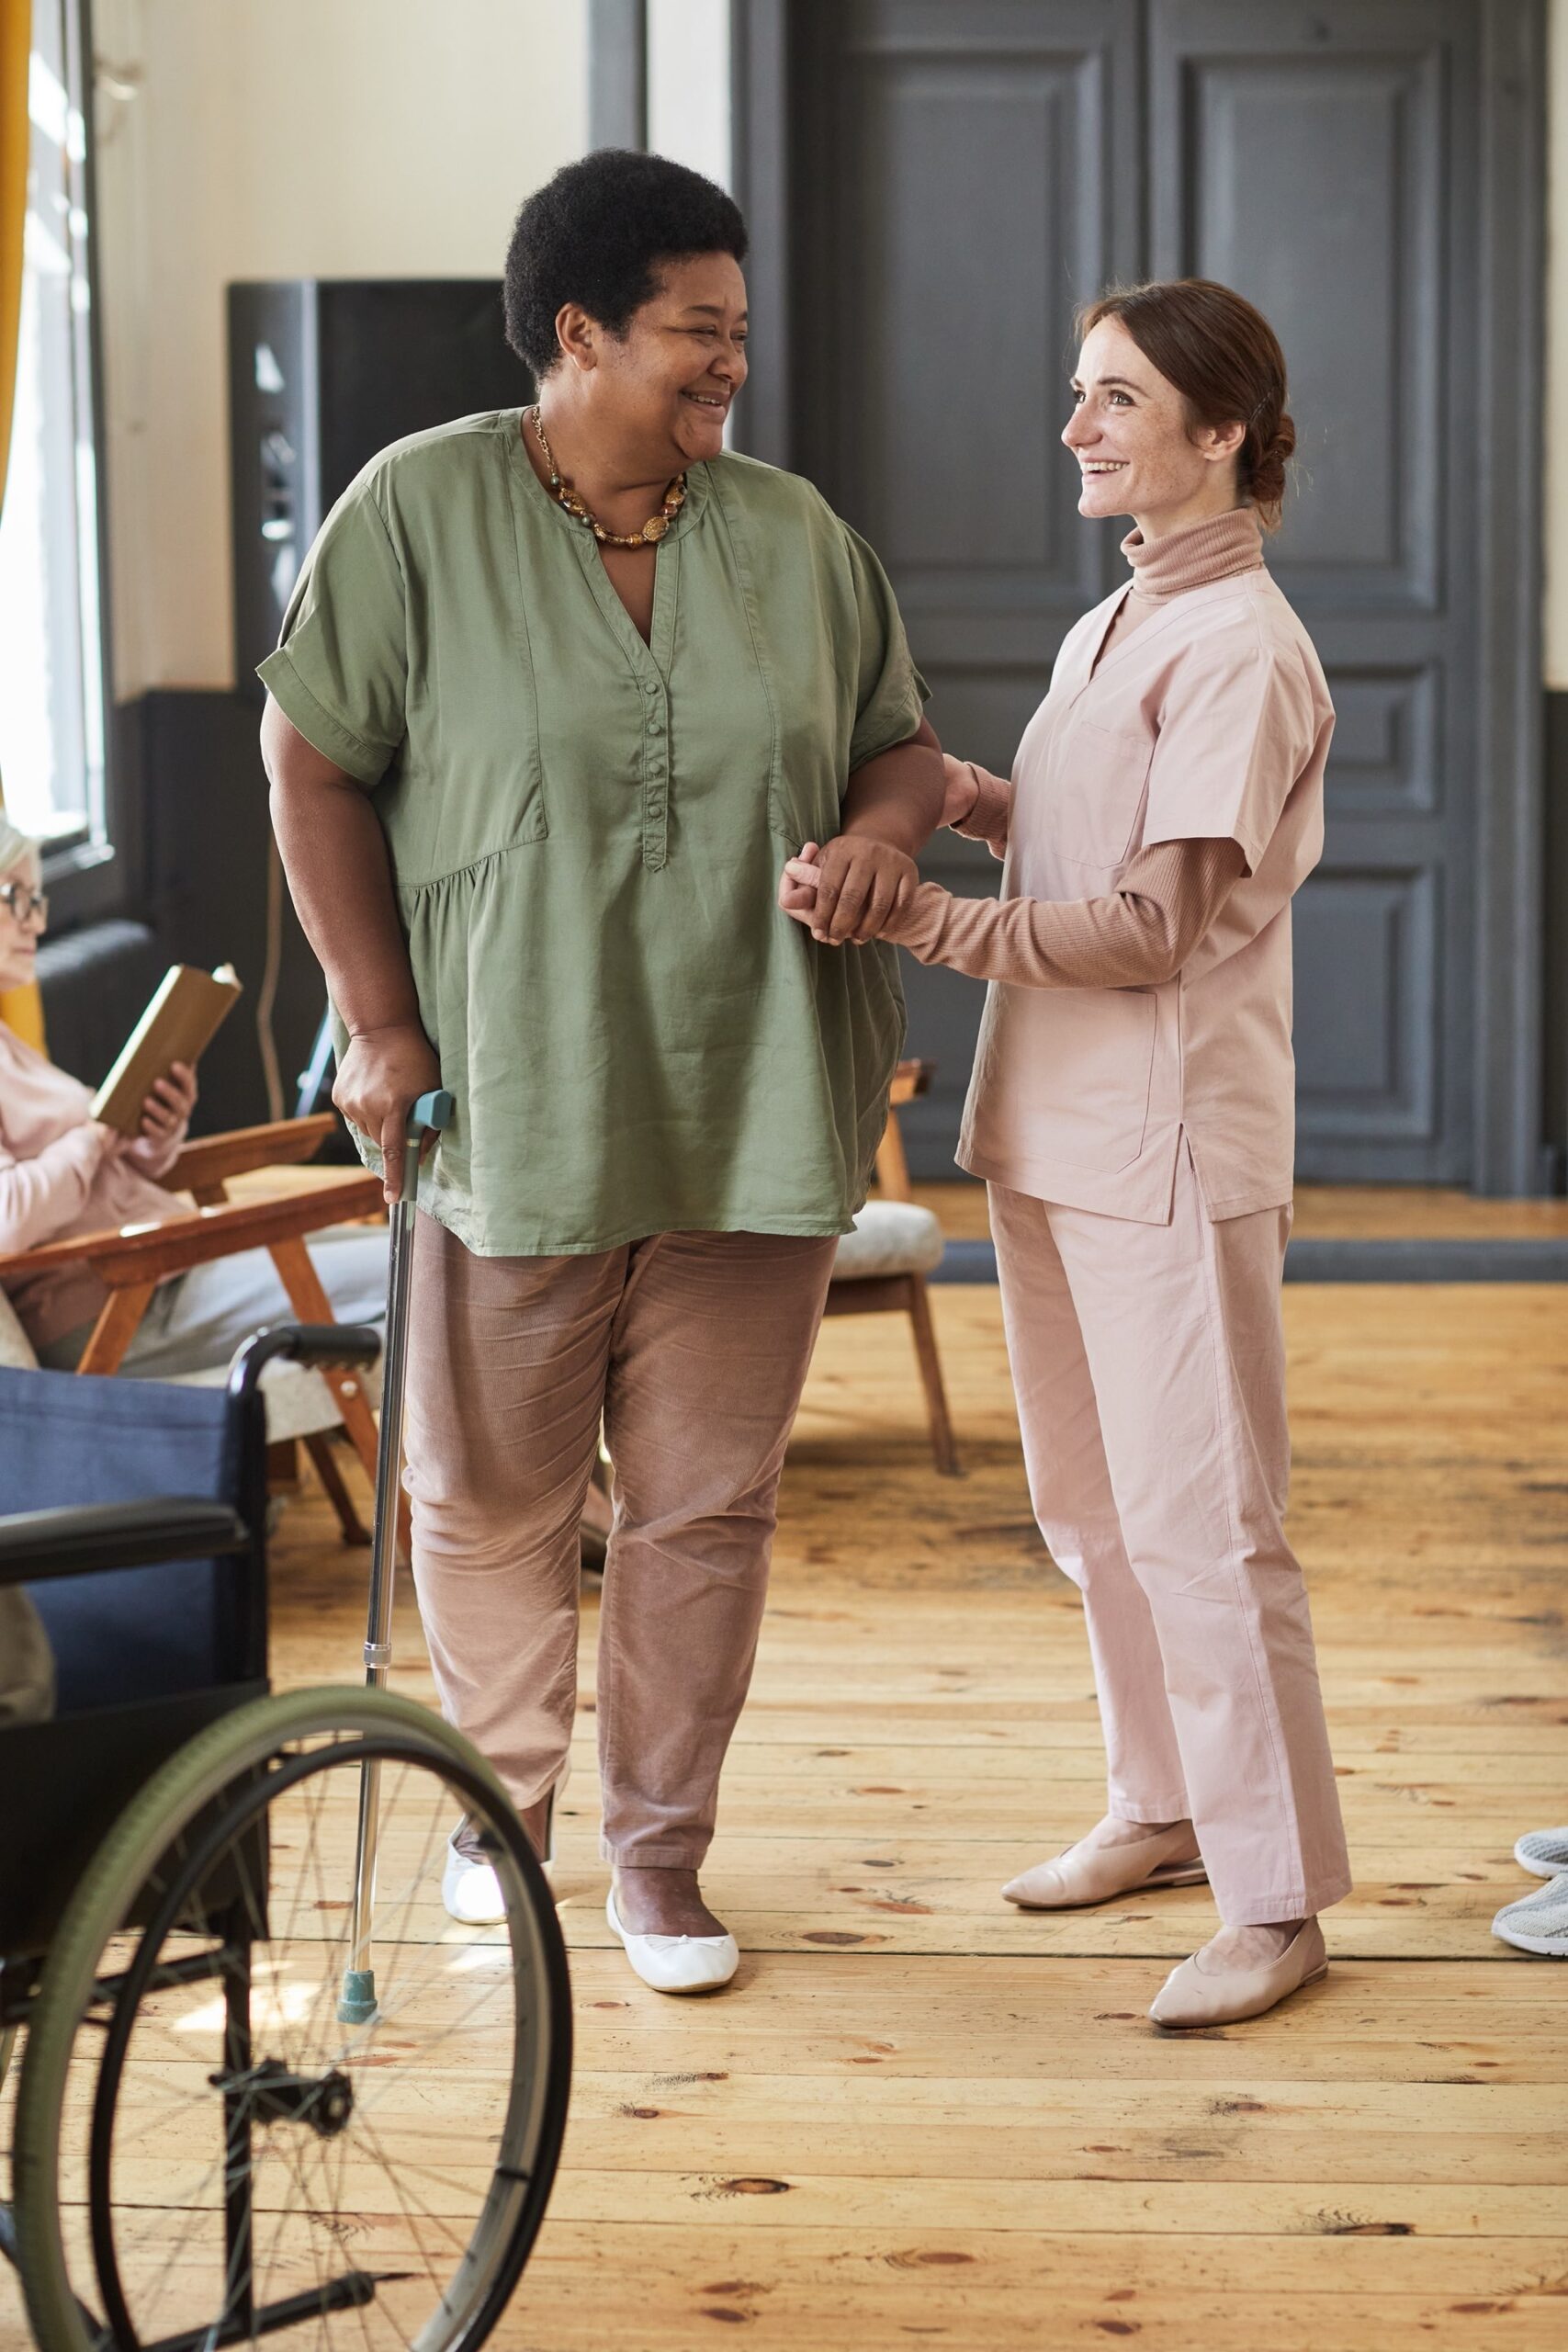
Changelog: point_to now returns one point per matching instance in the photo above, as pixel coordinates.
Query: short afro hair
(596, 234)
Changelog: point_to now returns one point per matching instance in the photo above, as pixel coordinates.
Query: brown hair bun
(1224, 359)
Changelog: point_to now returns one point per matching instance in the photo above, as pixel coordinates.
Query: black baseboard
(1534, 1259)
(1554, 1043)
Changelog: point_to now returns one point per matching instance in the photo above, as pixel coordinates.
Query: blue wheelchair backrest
(154, 1632)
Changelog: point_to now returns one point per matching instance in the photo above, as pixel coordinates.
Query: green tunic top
(586, 834)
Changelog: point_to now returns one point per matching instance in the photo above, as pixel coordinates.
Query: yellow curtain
(19, 1008)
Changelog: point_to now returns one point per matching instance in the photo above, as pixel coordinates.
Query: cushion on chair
(890, 1237)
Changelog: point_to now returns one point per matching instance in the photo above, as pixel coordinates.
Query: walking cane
(357, 2003)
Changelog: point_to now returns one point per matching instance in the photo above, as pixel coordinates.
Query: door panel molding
(1409, 573)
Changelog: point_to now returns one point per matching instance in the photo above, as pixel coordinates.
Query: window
(51, 654)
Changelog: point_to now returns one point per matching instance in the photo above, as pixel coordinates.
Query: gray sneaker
(1542, 1851)
(1539, 1922)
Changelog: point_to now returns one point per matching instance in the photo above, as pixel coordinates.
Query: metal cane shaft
(389, 1448)
(433, 1111)
(384, 1550)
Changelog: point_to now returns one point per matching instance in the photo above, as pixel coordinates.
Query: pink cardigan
(59, 1174)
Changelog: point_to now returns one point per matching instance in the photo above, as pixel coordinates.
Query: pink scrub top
(1212, 720)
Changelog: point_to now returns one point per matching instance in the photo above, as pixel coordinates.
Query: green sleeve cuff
(367, 762)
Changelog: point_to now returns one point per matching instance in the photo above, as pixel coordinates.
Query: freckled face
(1128, 431)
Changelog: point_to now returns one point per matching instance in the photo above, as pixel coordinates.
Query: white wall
(278, 139)
(1557, 353)
(688, 84)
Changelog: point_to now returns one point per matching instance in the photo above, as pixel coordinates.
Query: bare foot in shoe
(662, 1903)
(1113, 1831)
(1115, 1859)
(1234, 1949)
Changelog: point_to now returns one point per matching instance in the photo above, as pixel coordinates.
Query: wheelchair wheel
(201, 2146)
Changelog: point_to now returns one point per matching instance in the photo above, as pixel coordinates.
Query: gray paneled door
(958, 178)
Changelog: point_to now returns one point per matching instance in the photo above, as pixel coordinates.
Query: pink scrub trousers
(695, 1349)
(1149, 1364)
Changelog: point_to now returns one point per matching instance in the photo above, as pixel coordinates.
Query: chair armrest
(146, 1253)
(213, 1159)
(909, 1079)
(39, 1545)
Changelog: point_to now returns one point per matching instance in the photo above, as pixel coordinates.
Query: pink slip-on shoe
(1191, 1995)
(1085, 1874)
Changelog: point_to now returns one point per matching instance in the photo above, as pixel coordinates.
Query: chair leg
(283, 1463)
(116, 1327)
(319, 1449)
(942, 1447)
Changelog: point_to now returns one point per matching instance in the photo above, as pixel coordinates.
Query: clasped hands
(846, 892)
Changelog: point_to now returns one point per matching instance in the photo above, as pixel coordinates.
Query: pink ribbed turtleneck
(1192, 558)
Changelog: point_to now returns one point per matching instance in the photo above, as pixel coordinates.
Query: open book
(177, 1026)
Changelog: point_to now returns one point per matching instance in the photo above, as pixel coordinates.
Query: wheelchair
(204, 2152)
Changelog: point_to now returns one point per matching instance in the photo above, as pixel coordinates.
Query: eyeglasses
(24, 904)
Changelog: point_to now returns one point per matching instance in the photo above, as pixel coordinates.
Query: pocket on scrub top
(1098, 778)
(1094, 1072)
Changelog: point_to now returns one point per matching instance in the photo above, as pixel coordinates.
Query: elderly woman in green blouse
(560, 690)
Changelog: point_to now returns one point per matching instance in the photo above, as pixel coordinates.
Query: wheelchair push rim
(282, 2167)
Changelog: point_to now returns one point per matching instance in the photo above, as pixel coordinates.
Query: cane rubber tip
(356, 2005)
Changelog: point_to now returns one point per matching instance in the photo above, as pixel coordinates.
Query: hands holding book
(165, 1115)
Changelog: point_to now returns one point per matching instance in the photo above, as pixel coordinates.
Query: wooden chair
(881, 1266)
(133, 1261)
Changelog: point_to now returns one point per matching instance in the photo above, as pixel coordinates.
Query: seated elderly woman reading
(64, 1172)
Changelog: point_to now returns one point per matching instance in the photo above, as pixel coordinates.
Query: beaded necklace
(561, 491)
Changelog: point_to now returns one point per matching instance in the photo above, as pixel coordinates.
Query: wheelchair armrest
(321, 1347)
(39, 1544)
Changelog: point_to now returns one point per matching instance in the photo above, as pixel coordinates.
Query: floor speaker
(323, 372)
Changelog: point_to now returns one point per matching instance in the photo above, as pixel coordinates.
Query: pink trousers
(1149, 1364)
(694, 1347)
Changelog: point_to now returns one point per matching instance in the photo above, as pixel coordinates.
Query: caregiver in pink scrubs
(1132, 1113)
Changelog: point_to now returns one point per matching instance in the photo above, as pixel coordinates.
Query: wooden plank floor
(920, 2115)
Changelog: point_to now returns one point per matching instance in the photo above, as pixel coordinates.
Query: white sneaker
(677, 1963)
(1539, 1922)
(1544, 1851)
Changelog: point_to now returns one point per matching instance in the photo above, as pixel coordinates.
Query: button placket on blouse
(655, 776)
(655, 733)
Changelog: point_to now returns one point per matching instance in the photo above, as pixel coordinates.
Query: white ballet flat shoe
(470, 1889)
(677, 1963)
